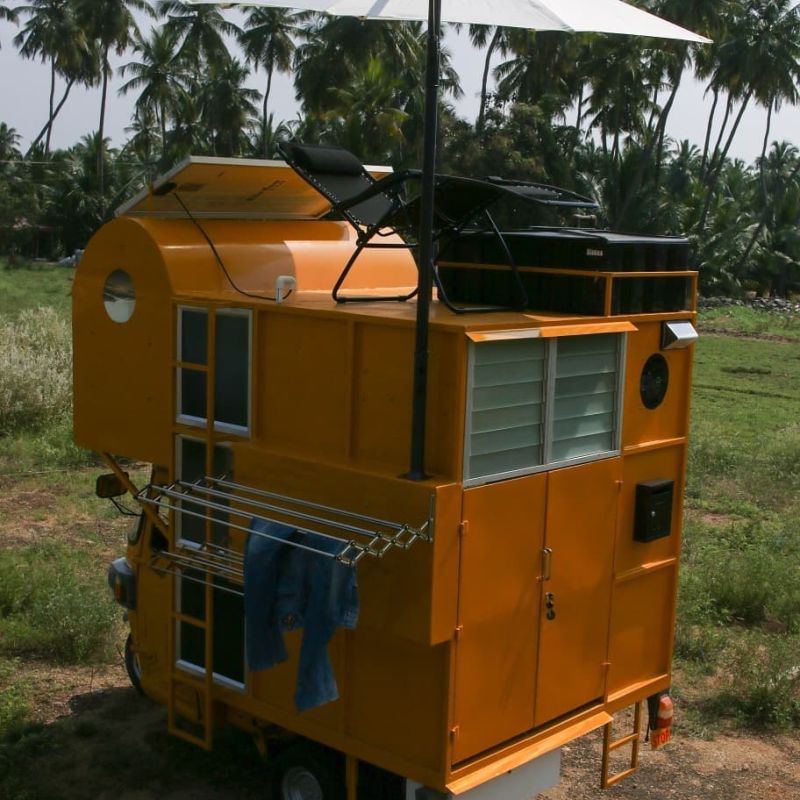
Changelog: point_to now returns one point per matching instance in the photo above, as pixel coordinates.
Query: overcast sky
(24, 87)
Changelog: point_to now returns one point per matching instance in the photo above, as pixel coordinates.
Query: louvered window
(506, 418)
(536, 403)
(585, 398)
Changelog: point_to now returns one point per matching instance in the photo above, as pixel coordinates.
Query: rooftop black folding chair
(379, 208)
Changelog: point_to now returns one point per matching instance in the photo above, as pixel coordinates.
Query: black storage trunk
(574, 248)
(569, 249)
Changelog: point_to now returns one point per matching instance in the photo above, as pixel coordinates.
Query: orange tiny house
(513, 600)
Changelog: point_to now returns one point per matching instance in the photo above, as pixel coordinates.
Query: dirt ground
(102, 741)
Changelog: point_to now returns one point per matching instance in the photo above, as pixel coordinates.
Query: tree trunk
(657, 139)
(768, 206)
(52, 101)
(709, 128)
(264, 144)
(162, 114)
(717, 171)
(652, 119)
(49, 124)
(485, 81)
(712, 162)
(580, 111)
(761, 165)
(101, 156)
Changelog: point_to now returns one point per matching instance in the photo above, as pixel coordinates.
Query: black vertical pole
(425, 249)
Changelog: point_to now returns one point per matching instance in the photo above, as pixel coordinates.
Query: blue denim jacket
(286, 588)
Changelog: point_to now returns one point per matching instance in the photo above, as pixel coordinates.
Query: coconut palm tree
(336, 49)
(669, 63)
(7, 13)
(495, 40)
(84, 72)
(9, 143)
(778, 173)
(146, 135)
(542, 63)
(188, 135)
(201, 30)
(368, 121)
(267, 41)
(111, 24)
(227, 107)
(52, 34)
(158, 74)
(761, 61)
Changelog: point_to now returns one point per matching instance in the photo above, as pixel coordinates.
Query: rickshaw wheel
(306, 772)
(132, 665)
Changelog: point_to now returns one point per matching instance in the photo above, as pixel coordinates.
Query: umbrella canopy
(576, 16)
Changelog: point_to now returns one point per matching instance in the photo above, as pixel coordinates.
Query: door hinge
(459, 629)
(454, 731)
(463, 528)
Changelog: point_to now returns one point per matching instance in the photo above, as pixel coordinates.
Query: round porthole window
(655, 381)
(119, 296)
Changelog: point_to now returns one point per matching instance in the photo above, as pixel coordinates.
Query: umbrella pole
(425, 248)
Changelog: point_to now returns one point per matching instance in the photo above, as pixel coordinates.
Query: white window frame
(196, 669)
(226, 427)
(202, 422)
(178, 517)
(551, 362)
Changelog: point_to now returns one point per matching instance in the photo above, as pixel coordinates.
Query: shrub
(761, 681)
(49, 607)
(35, 370)
(14, 706)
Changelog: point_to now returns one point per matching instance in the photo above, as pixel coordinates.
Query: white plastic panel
(522, 783)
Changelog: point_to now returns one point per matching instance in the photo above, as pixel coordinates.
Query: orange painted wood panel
(581, 523)
(499, 613)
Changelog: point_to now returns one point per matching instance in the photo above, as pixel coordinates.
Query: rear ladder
(609, 745)
(200, 730)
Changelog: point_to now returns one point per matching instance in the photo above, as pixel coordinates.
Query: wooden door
(499, 596)
(580, 526)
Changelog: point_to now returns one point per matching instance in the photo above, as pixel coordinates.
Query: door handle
(547, 564)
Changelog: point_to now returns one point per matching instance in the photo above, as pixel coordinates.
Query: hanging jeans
(285, 588)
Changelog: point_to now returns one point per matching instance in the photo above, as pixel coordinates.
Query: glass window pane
(193, 335)
(193, 604)
(232, 379)
(193, 394)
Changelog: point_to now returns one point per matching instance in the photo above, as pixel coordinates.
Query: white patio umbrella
(577, 16)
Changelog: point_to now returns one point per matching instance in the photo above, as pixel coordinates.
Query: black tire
(305, 771)
(132, 665)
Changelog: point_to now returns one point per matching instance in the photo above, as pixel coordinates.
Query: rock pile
(776, 305)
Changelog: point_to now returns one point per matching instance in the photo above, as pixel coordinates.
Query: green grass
(34, 286)
(55, 606)
(742, 319)
(738, 636)
(35, 371)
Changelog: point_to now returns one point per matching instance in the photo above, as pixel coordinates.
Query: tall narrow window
(190, 467)
(232, 372)
(193, 360)
(232, 368)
